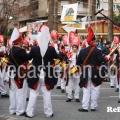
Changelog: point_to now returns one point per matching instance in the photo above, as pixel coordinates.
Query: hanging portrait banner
(69, 13)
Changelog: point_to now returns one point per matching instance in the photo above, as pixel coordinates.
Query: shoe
(58, 87)
(27, 116)
(13, 113)
(27, 99)
(118, 101)
(117, 90)
(49, 116)
(62, 91)
(22, 114)
(82, 110)
(5, 96)
(93, 110)
(112, 86)
(77, 100)
(68, 100)
(52, 115)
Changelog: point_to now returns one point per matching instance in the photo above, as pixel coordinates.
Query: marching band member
(57, 46)
(17, 57)
(118, 67)
(43, 58)
(63, 56)
(113, 76)
(73, 82)
(91, 80)
(3, 68)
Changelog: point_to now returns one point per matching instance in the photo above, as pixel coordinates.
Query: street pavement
(69, 111)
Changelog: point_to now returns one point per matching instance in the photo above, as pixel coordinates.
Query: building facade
(35, 10)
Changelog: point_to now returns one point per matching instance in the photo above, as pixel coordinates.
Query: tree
(55, 15)
(94, 3)
(51, 15)
(93, 9)
(6, 11)
(110, 24)
(116, 18)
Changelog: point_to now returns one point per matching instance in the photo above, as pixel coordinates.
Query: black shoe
(93, 110)
(112, 86)
(5, 96)
(22, 114)
(58, 87)
(27, 116)
(27, 99)
(77, 100)
(68, 100)
(13, 114)
(118, 101)
(62, 91)
(117, 90)
(52, 115)
(82, 110)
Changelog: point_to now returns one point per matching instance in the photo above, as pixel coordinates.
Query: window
(114, 7)
(105, 6)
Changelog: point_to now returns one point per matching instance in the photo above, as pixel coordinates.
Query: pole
(89, 13)
(109, 19)
(55, 15)
(96, 21)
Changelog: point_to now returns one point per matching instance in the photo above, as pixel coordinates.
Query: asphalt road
(69, 111)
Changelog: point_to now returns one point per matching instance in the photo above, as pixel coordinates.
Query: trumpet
(114, 49)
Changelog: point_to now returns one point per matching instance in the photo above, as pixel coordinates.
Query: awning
(85, 34)
(23, 29)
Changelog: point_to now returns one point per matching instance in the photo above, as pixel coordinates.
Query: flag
(14, 36)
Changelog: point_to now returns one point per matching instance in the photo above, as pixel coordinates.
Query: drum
(57, 61)
(63, 65)
(73, 70)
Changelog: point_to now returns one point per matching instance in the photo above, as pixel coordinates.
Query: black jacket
(49, 57)
(95, 60)
(17, 56)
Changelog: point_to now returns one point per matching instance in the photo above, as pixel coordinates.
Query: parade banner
(69, 13)
(68, 29)
(74, 26)
(33, 28)
(78, 26)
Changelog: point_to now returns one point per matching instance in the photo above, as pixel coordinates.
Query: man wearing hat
(91, 79)
(44, 77)
(55, 43)
(17, 57)
(3, 76)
